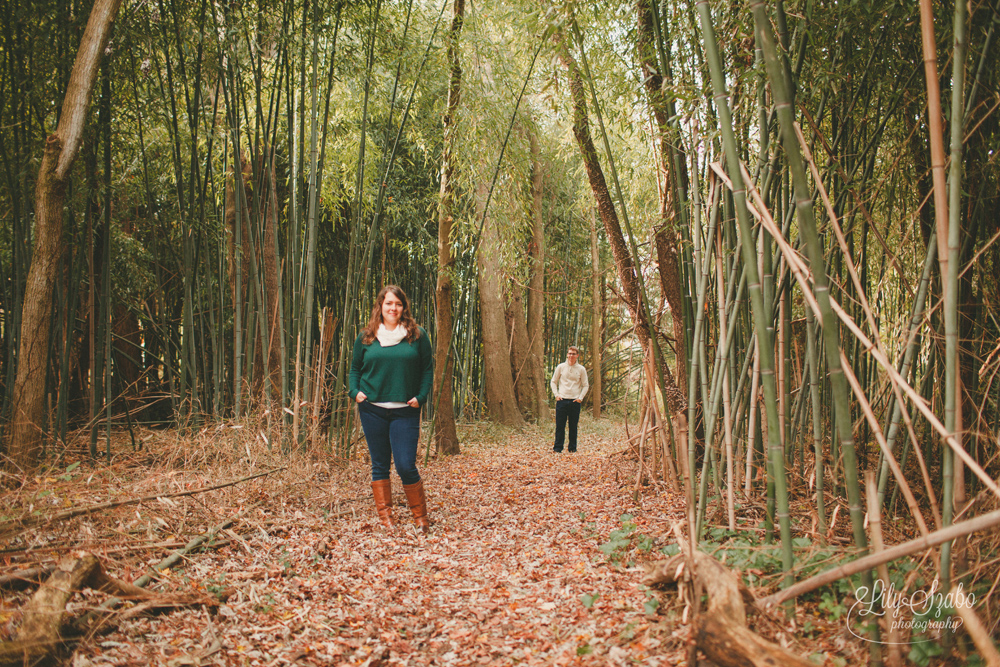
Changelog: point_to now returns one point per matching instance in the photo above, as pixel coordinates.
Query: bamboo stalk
(724, 370)
(817, 426)
(912, 347)
(831, 339)
(698, 338)
(951, 473)
(875, 526)
(751, 428)
(756, 296)
(315, 184)
(935, 128)
(922, 543)
(911, 501)
(801, 273)
(867, 310)
(711, 405)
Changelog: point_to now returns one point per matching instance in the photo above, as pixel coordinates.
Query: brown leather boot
(417, 501)
(382, 489)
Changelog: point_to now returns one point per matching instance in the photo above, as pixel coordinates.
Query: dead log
(40, 637)
(721, 631)
(45, 634)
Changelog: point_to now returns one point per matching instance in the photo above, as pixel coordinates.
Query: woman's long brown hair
(405, 318)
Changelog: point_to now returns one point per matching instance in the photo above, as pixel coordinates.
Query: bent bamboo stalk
(802, 275)
(952, 532)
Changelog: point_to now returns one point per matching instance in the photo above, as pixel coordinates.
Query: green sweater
(393, 374)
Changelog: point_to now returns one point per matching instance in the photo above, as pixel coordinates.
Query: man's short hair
(574, 348)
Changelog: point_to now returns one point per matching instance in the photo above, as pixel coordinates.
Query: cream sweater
(570, 381)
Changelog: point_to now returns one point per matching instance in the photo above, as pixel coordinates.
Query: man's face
(571, 357)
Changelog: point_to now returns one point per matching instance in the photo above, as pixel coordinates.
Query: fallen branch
(721, 630)
(10, 528)
(892, 553)
(42, 635)
(34, 576)
(41, 644)
(68, 547)
(175, 557)
(28, 578)
(100, 617)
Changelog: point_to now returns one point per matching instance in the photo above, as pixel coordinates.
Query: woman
(391, 376)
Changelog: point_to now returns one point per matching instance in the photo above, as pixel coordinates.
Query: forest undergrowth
(533, 557)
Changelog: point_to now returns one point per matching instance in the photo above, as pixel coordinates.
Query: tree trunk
(501, 404)
(238, 250)
(61, 149)
(127, 339)
(536, 282)
(270, 255)
(673, 181)
(127, 342)
(609, 217)
(525, 372)
(595, 321)
(445, 435)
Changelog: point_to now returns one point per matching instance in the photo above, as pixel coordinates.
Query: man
(570, 385)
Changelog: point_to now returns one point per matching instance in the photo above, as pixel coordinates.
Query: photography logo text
(929, 609)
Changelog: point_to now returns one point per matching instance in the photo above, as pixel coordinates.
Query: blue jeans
(566, 410)
(391, 434)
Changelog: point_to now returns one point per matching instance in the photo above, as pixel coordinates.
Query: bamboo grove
(772, 226)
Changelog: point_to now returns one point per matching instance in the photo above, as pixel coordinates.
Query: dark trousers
(391, 434)
(566, 410)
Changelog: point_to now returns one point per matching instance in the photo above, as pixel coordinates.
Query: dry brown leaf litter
(309, 576)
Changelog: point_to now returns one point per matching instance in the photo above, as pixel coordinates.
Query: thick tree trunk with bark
(667, 237)
(501, 404)
(127, 339)
(445, 435)
(521, 367)
(612, 228)
(238, 249)
(536, 282)
(127, 345)
(61, 149)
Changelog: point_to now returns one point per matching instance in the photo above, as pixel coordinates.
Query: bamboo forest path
(510, 573)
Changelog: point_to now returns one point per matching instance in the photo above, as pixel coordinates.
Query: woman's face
(392, 308)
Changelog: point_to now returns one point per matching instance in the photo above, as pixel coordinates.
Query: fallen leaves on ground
(512, 571)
